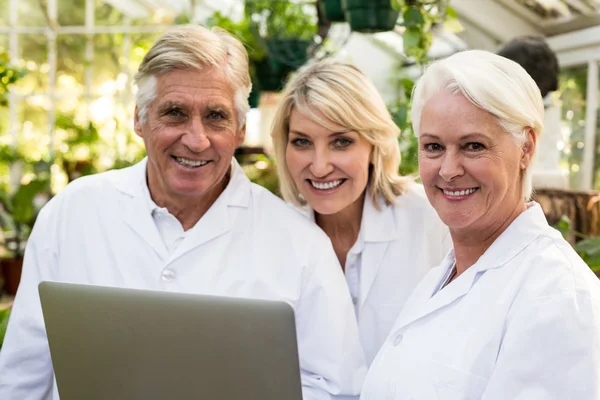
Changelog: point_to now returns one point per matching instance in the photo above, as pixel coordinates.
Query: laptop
(124, 344)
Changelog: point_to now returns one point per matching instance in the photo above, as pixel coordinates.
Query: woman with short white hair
(337, 155)
(512, 312)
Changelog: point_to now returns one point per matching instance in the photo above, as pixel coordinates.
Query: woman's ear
(528, 147)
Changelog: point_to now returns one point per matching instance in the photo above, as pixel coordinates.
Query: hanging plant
(286, 30)
(419, 18)
(370, 16)
(333, 10)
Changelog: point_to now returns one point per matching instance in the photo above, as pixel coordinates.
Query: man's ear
(241, 136)
(528, 148)
(137, 124)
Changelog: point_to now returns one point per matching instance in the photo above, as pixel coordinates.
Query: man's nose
(195, 137)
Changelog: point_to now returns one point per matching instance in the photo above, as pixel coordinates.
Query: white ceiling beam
(578, 57)
(134, 9)
(581, 7)
(476, 39)
(521, 11)
(494, 19)
(578, 39)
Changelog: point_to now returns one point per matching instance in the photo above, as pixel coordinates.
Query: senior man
(187, 219)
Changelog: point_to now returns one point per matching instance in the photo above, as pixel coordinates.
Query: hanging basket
(333, 11)
(254, 97)
(370, 16)
(284, 57)
(271, 74)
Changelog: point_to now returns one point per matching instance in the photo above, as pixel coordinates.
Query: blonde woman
(337, 157)
(512, 312)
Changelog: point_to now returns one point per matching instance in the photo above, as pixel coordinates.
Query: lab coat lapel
(524, 230)
(424, 304)
(135, 207)
(378, 229)
(217, 220)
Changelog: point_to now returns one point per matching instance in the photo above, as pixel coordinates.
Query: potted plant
(369, 16)
(285, 30)
(332, 10)
(256, 53)
(18, 211)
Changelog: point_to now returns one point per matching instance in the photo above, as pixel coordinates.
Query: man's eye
(299, 142)
(216, 115)
(174, 112)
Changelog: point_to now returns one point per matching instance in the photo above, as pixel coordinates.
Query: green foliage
(418, 19)
(588, 247)
(282, 19)
(409, 146)
(19, 209)
(589, 250)
(4, 316)
(261, 170)
(8, 76)
(277, 34)
(79, 139)
(243, 32)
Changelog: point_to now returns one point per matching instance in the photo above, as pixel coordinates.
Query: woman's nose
(320, 165)
(451, 167)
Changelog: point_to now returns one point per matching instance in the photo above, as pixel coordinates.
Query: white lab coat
(397, 245)
(522, 323)
(248, 244)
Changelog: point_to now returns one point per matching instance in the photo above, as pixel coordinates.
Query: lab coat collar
(378, 225)
(375, 226)
(521, 232)
(213, 223)
(378, 228)
(526, 227)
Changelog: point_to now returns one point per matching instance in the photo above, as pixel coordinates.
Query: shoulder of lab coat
(551, 347)
(330, 354)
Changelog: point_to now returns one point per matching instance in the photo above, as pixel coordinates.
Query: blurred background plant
(587, 246)
(260, 169)
(4, 316)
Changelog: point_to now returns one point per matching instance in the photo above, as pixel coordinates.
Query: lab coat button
(397, 340)
(168, 275)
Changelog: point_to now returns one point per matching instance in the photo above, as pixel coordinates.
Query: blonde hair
(194, 47)
(493, 83)
(346, 97)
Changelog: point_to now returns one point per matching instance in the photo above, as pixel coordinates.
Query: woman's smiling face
(470, 166)
(330, 166)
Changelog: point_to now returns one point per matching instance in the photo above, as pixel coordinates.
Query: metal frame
(52, 31)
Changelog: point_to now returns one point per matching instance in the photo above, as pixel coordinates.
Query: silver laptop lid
(114, 343)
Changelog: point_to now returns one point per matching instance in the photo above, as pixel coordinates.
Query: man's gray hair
(194, 47)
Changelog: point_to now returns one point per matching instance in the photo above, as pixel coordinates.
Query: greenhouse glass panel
(70, 63)
(33, 57)
(71, 12)
(572, 93)
(31, 13)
